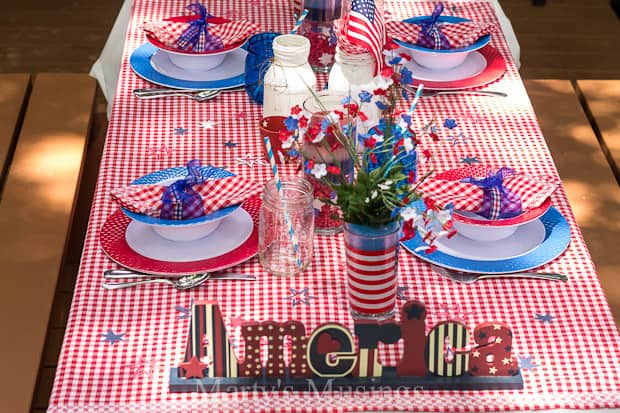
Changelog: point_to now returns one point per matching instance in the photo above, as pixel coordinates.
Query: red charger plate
(495, 69)
(115, 246)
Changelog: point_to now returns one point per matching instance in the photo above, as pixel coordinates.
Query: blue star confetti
(230, 144)
(526, 363)
(544, 318)
(180, 131)
(400, 292)
(470, 160)
(111, 337)
(460, 138)
(185, 311)
(299, 296)
(449, 123)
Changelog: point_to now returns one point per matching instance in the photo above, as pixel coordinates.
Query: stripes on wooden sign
(372, 279)
(208, 337)
(443, 349)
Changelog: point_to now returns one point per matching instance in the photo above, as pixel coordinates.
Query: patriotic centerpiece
(375, 191)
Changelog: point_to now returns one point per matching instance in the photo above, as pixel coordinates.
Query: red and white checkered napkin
(216, 194)
(458, 34)
(229, 33)
(445, 188)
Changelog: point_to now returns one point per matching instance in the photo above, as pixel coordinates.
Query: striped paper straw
(418, 93)
(299, 21)
(287, 218)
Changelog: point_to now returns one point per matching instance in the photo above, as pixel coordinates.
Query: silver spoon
(469, 278)
(199, 96)
(432, 93)
(182, 283)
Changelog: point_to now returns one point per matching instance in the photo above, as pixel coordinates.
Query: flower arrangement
(365, 151)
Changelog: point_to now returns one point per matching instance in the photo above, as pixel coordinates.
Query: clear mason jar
(318, 28)
(329, 151)
(281, 252)
(290, 79)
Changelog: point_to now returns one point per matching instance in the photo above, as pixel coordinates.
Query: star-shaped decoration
(400, 292)
(453, 312)
(237, 322)
(470, 160)
(493, 370)
(475, 353)
(526, 363)
(143, 367)
(299, 296)
(544, 318)
(497, 327)
(326, 59)
(111, 337)
(185, 311)
(498, 340)
(250, 160)
(193, 368)
(230, 144)
(505, 361)
(180, 131)
(159, 152)
(207, 124)
(460, 138)
(243, 115)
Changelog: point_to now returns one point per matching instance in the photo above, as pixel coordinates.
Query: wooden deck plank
(13, 96)
(602, 98)
(589, 182)
(35, 217)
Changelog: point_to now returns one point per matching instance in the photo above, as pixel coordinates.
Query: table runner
(120, 345)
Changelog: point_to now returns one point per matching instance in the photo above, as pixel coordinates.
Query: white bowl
(190, 232)
(194, 62)
(481, 232)
(441, 59)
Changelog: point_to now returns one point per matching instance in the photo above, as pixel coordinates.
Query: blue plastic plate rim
(481, 42)
(140, 62)
(211, 172)
(557, 239)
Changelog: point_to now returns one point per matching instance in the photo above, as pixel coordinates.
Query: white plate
(233, 231)
(473, 65)
(233, 65)
(524, 240)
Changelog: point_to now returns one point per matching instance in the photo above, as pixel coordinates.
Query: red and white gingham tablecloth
(565, 336)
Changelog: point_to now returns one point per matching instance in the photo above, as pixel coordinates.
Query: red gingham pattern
(446, 187)
(458, 34)
(576, 354)
(168, 32)
(216, 194)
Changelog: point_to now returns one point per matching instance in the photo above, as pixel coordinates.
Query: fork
(197, 95)
(469, 278)
(432, 93)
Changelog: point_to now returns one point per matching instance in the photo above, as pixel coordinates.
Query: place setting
(197, 51)
(182, 221)
(503, 224)
(448, 52)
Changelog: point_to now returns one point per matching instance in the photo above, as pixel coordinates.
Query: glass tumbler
(282, 251)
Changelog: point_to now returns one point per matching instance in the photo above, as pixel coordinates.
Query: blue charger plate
(557, 238)
(140, 62)
(208, 171)
(481, 42)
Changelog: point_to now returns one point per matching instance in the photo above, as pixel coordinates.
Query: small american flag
(365, 27)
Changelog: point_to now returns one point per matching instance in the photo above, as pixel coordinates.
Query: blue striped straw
(287, 218)
(299, 21)
(418, 93)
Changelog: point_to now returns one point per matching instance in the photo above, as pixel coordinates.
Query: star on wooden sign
(193, 368)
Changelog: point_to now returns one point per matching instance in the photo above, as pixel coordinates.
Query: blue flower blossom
(404, 93)
(291, 124)
(346, 100)
(394, 61)
(407, 118)
(406, 76)
(324, 124)
(449, 123)
(381, 105)
(365, 97)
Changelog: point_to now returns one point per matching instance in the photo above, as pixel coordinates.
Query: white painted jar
(289, 81)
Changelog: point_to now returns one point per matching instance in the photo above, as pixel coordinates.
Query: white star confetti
(250, 160)
(207, 124)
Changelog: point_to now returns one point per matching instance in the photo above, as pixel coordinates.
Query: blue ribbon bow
(180, 200)
(431, 36)
(498, 202)
(196, 37)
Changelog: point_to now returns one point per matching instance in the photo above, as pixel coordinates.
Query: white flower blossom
(386, 185)
(408, 144)
(374, 194)
(319, 170)
(383, 82)
(289, 142)
(333, 117)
